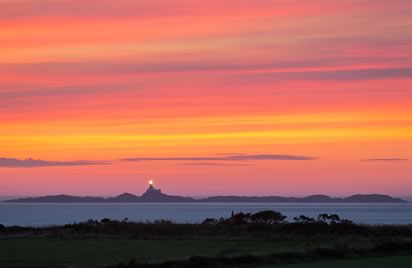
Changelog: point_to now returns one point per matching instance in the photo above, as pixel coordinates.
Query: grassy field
(96, 252)
(227, 244)
(379, 262)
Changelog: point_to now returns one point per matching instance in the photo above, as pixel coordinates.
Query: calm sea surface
(56, 214)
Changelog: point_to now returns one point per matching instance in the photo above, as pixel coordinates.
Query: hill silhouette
(153, 195)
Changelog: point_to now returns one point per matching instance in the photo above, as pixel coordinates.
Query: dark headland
(153, 195)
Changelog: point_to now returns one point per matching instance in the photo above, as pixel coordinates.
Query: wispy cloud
(305, 69)
(31, 163)
(385, 159)
(240, 157)
(269, 157)
(213, 164)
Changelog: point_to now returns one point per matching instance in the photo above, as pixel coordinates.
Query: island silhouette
(153, 195)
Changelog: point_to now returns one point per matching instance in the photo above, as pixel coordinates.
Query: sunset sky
(285, 97)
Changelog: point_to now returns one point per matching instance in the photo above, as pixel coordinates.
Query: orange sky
(207, 97)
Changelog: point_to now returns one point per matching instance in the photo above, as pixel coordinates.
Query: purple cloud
(31, 163)
(386, 159)
(213, 164)
(240, 157)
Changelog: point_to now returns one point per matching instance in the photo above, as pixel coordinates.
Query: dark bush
(210, 221)
(239, 218)
(268, 217)
(105, 220)
(162, 221)
(304, 220)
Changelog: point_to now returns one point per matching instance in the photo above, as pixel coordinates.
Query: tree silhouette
(304, 219)
(268, 217)
(239, 218)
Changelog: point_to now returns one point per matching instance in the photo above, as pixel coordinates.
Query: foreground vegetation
(262, 239)
(103, 251)
(376, 262)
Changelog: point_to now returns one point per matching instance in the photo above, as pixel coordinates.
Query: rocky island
(153, 195)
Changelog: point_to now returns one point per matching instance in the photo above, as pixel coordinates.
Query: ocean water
(57, 214)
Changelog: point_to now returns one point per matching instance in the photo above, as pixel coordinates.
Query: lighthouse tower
(155, 195)
(151, 190)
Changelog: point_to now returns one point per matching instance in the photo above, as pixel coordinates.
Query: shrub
(210, 221)
(268, 217)
(304, 220)
(239, 218)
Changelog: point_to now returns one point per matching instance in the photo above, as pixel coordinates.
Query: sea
(24, 214)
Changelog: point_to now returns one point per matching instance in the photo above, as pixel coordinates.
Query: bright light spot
(151, 182)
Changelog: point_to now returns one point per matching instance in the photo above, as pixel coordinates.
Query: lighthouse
(151, 190)
(155, 195)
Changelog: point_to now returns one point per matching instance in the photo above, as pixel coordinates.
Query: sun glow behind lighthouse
(150, 182)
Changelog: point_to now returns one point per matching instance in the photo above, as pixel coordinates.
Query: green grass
(378, 262)
(95, 252)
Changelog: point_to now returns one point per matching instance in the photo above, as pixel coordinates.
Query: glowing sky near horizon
(261, 97)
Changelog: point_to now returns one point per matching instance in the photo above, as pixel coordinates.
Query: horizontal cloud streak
(159, 8)
(213, 164)
(392, 67)
(386, 159)
(258, 157)
(30, 163)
